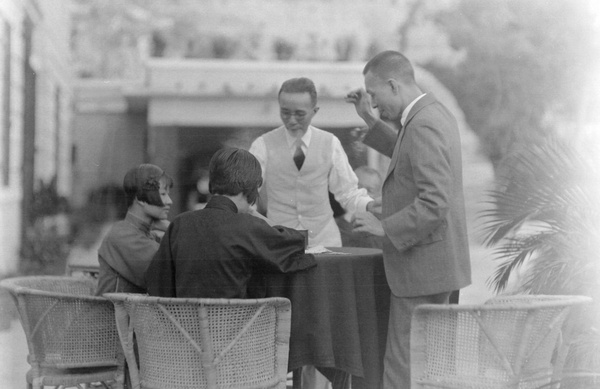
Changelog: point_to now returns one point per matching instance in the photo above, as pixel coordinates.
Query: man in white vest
(301, 164)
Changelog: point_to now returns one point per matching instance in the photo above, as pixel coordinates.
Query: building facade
(35, 113)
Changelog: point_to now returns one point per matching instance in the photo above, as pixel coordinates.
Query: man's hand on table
(367, 222)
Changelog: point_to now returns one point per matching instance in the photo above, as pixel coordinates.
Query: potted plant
(543, 219)
(46, 241)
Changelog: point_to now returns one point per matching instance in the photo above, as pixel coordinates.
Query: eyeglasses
(299, 115)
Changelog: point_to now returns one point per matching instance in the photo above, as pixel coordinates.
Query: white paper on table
(321, 250)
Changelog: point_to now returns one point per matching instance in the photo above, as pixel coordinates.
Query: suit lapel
(419, 105)
(395, 153)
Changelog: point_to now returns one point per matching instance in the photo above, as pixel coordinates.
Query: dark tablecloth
(340, 311)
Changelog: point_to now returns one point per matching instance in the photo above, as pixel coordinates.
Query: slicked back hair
(143, 183)
(300, 85)
(391, 64)
(233, 171)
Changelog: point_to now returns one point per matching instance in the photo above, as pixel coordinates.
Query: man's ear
(394, 85)
(316, 109)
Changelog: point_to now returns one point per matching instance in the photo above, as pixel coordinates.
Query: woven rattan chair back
(509, 342)
(204, 343)
(71, 334)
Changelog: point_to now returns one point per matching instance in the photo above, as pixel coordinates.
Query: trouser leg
(339, 379)
(396, 363)
(454, 296)
(313, 379)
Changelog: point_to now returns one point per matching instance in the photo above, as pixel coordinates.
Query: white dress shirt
(342, 181)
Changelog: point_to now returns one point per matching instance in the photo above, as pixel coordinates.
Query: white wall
(50, 59)
(11, 194)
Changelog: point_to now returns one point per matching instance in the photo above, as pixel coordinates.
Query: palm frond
(544, 220)
(545, 206)
(514, 252)
(566, 266)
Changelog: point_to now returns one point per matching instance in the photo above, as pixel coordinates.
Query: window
(6, 76)
(57, 130)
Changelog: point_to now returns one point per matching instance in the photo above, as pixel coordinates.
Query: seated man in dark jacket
(221, 250)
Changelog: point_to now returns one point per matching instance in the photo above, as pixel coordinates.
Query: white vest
(299, 196)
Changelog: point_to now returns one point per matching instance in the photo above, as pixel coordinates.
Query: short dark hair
(391, 64)
(233, 171)
(300, 85)
(143, 183)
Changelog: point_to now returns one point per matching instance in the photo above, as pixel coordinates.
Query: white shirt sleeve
(343, 183)
(259, 150)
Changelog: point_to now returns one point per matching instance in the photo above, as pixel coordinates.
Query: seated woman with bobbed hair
(131, 243)
(222, 251)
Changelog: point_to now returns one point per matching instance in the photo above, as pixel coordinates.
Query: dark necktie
(298, 157)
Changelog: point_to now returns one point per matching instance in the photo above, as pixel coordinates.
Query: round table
(340, 311)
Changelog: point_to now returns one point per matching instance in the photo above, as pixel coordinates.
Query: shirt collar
(222, 202)
(138, 223)
(407, 109)
(291, 141)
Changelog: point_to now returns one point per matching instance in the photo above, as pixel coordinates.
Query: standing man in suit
(301, 164)
(425, 249)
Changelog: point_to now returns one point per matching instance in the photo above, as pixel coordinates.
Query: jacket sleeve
(160, 276)
(382, 137)
(278, 249)
(129, 254)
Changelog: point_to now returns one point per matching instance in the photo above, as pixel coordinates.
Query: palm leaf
(543, 220)
(544, 207)
(513, 254)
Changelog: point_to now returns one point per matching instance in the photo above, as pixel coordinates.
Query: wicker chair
(71, 334)
(509, 342)
(204, 343)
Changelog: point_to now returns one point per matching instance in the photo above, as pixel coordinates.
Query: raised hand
(362, 103)
(161, 225)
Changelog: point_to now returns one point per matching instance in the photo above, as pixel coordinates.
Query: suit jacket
(124, 256)
(217, 252)
(425, 249)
